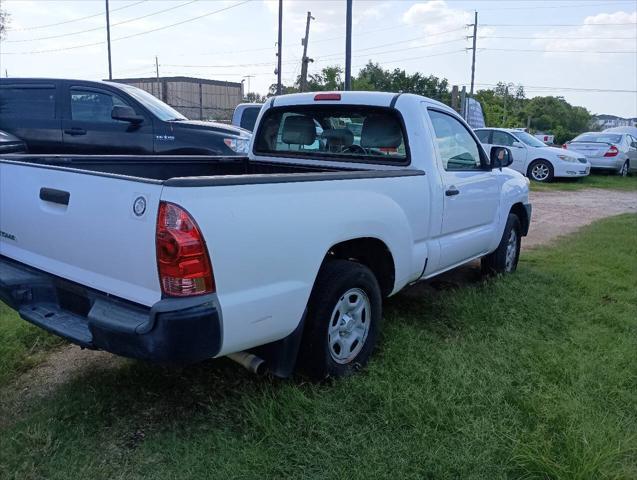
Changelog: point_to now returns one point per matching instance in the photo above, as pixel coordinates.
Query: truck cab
(88, 117)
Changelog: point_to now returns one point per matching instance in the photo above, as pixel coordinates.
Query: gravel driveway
(560, 213)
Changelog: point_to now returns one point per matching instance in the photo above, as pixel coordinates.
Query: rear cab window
(353, 133)
(35, 101)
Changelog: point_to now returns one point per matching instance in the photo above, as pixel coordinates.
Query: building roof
(205, 81)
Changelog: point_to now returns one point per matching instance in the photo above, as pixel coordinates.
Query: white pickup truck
(283, 255)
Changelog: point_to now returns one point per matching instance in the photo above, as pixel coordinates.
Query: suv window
(502, 138)
(483, 135)
(93, 106)
(342, 132)
(457, 147)
(28, 102)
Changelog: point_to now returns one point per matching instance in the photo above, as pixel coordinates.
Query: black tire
(537, 166)
(336, 278)
(496, 262)
(624, 170)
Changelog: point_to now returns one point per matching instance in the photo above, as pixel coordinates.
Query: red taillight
(182, 257)
(612, 151)
(327, 96)
(565, 146)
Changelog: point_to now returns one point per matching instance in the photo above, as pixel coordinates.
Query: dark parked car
(108, 118)
(11, 144)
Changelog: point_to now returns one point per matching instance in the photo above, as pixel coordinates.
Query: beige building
(195, 98)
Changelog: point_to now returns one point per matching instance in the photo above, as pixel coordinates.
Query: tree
(253, 97)
(4, 23)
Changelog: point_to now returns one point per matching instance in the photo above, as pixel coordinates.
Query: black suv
(107, 118)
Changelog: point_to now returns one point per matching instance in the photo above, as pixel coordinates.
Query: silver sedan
(607, 150)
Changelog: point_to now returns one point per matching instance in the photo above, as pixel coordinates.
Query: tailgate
(82, 226)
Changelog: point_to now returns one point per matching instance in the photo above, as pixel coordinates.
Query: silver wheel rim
(540, 172)
(512, 251)
(624, 170)
(349, 325)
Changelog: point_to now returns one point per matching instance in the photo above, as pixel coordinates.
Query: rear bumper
(606, 163)
(174, 330)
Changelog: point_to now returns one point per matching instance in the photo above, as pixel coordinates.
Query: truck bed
(162, 167)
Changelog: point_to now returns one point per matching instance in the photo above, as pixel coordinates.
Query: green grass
(21, 344)
(594, 180)
(528, 376)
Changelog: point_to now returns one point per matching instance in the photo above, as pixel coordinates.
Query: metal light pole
(108, 41)
(348, 46)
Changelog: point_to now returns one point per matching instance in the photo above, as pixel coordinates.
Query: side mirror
(126, 114)
(500, 157)
(518, 144)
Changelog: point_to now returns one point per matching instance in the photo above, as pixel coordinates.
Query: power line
(558, 51)
(537, 7)
(74, 19)
(558, 38)
(131, 35)
(322, 57)
(518, 25)
(100, 28)
(575, 89)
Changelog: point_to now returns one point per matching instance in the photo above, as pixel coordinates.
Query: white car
(533, 158)
(288, 250)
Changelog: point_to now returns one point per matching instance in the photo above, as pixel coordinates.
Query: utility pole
(473, 60)
(348, 46)
(279, 86)
(305, 60)
(157, 72)
(108, 41)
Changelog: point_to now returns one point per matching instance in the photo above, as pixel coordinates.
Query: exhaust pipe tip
(249, 361)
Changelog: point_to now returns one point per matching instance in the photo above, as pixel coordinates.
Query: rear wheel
(505, 258)
(623, 172)
(343, 320)
(540, 171)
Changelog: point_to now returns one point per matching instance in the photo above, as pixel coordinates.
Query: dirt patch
(554, 214)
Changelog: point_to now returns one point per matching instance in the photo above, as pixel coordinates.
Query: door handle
(451, 191)
(75, 131)
(54, 196)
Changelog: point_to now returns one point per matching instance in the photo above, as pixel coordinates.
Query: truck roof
(18, 80)
(379, 99)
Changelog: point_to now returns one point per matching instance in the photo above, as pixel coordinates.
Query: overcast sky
(560, 47)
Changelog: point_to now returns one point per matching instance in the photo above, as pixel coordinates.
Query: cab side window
(93, 106)
(502, 138)
(483, 135)
(457, 147)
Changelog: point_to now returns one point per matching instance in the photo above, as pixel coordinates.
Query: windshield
(529, 139)
(343, 132)
(598, 138)
(152, 103)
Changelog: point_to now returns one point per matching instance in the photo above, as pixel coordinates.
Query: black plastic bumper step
(62, 323)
